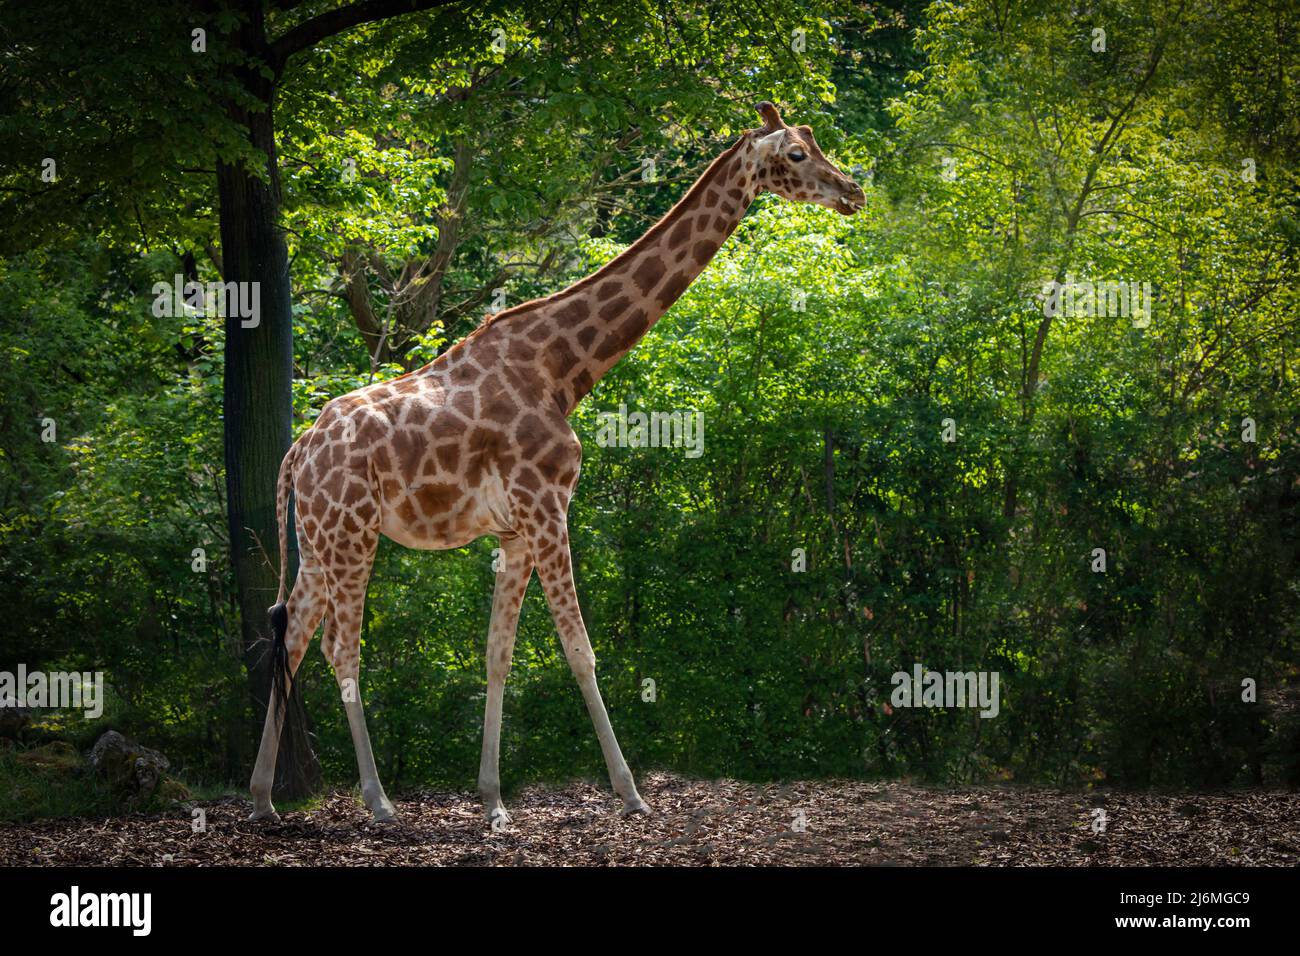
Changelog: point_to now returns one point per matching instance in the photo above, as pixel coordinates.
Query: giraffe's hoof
(386, 813)
(635, 807)
(498, 818)
(264, 813)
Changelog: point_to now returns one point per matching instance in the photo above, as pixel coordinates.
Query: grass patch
(53, 780)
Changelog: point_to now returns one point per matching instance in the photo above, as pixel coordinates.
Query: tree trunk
(258, 404)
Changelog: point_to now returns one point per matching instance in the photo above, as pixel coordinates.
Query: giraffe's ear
(771, 118)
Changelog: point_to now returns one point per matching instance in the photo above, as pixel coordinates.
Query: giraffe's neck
(592, 324)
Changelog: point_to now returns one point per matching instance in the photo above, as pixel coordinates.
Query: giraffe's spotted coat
(478, 442)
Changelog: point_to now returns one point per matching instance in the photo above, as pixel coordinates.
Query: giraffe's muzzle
(852, 200)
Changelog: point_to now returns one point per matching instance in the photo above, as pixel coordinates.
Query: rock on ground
(133, 771)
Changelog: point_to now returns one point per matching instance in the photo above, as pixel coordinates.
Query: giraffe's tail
(279, 612)
(283, 484)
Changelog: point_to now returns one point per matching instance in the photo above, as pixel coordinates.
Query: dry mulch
(703, 823)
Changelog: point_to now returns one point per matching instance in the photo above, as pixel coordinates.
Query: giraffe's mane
(630, 252)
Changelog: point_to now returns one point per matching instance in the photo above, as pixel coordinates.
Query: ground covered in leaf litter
(703, 823)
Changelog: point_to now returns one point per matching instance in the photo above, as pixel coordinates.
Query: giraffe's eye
(797, 155)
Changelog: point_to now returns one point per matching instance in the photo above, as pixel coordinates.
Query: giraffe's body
(478, 443)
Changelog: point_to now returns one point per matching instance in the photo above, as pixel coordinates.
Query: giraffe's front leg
(550, 546)
(514, 566)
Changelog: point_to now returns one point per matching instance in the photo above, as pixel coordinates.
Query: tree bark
(258, 403)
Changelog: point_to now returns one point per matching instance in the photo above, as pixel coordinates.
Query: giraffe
(478, 443)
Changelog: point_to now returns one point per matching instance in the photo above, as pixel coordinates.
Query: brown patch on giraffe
(609, 347)
(582, 386)
(353, 491)
(648, 273)
(331, 487)
(624, 337)
(672, 289)
(556, 460)
(409, 448)
(616, 308)
(500, 408)
(560, 360)
(477, 464)
(681, 233)
(526, 477)
(448, 456)
(607, 290)
(533, 436)
(405, 510)
(573, 312)
(487, 351)
(330, 456)
(704, 250)
(586, 336)
(450, 423)
(465, 401)
(522, 381)
(520, 351)
(437, 499)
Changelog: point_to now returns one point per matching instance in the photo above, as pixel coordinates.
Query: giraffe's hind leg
(341, 645)
(306, 607)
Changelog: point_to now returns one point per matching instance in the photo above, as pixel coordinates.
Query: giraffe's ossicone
(478, 443)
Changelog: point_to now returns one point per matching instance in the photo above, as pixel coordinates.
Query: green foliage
(1005, 152)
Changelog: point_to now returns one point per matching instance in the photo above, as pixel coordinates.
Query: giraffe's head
(791, 164)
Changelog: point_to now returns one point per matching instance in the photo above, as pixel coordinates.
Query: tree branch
(308, 34)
